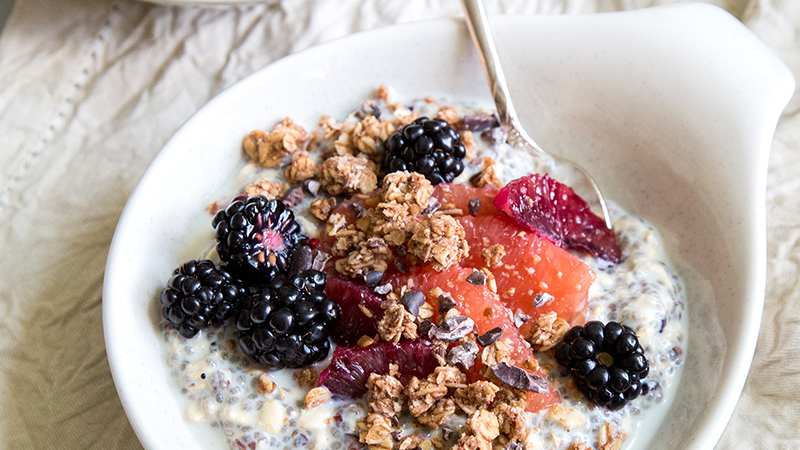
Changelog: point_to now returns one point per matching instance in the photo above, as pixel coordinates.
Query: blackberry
(427, 146)
(197, 295)
(256, 237)
(606, 361)
(288, 323)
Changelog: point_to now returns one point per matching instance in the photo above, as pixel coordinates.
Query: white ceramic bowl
(671, 108)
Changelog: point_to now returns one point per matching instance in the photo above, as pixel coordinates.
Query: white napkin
(91, 89)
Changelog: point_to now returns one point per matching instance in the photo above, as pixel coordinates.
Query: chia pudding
(258, 409)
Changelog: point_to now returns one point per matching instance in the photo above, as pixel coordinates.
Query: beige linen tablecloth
(91, 89)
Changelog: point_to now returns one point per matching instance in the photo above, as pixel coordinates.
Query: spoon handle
(478, 24)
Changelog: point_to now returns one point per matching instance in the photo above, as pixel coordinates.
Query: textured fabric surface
(91, 90)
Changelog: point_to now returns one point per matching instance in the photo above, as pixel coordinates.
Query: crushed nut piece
(264, 384)
(301, 169)
(477, 395)
(548, 331)
(493, 254)
(348, 175)
(321, 208)
(365, 341)
(440, 241)
(440, 413)
(375, 431)
(268, 189)
(385, 395)
(307, 377)
(317, 396)
(397, 322)
(269, 149)
(486, 176)
(610, 437)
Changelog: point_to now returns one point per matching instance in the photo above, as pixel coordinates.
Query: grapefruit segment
(531, 265)
(460, 195)
(485, 309)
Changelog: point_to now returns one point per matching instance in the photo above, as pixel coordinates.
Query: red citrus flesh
(531, 265)
(460, 195)
(485, 309)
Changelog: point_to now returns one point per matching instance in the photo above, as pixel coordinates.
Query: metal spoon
(518, 138)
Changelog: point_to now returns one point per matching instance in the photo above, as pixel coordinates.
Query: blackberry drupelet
(427, 146)
(288, 323)
(607, 362)
(197, 295)
(256, 237)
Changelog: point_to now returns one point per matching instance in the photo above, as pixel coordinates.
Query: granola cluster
(399, 217)
(269, 149)
(440, 241)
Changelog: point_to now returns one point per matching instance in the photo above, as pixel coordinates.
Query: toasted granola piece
(393, 222)
(511, 396)
(423, 394)
(512, 421)
(321, 208)
(499, 351)
(270, 190)
(368, 255)
(385, 394)
(403, 119)
(408, 188)
(383, 93)
(479, 431)
(478, 395)
(486, 176)
(610, 437)
(579, 446)
(368, 133)
(348, 175)
(548, 331)
(269, 149)
(440, 241)
(330, 127)
(410, 442)
(566, 417)
(301, 169)
(264, 384)
(468, 141)
(397, 322)
(317, 396)
(493, 254)
(446, 375)
(347, 240)
(375, 431)
(441, 412)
